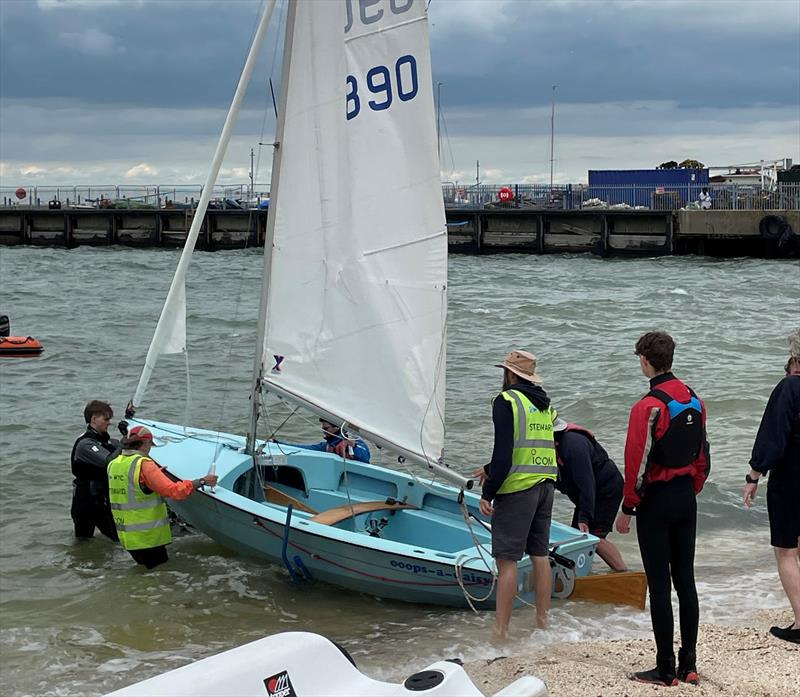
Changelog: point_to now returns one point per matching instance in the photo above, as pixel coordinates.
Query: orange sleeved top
(154, 479)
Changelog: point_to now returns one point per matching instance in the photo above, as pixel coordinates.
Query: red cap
(138, 433)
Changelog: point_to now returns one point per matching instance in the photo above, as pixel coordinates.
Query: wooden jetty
(606, 232)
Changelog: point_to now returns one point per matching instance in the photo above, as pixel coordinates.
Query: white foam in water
(679, 291)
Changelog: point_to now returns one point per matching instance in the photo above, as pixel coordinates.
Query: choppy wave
(80, 619)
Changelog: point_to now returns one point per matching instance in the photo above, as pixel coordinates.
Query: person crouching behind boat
(777, 451)
(518, 485)
(90, 456)
(591, 480)
(138, 487)
(344, 445)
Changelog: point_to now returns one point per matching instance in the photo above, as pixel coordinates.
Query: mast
(176, 289)
(438, 120)
(552, 134)
(261, 333)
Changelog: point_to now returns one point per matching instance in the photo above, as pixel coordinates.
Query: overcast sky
(136, 91)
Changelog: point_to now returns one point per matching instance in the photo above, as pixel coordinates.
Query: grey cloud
(149, 53)
(699, 54)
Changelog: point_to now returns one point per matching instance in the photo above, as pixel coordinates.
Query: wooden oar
(623, 588)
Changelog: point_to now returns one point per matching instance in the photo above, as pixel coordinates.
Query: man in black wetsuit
(90, 456)
(777, 452)
(591, 480)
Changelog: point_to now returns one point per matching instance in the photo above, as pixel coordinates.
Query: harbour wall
(606, 232)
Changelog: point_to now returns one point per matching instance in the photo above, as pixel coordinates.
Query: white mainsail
(357, 299)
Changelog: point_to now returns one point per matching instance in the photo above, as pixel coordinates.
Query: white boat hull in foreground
(281, 666)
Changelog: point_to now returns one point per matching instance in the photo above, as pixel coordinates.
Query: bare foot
(499, 636)
(541, 621)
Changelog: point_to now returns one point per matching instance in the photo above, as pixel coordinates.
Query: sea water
(79, 618)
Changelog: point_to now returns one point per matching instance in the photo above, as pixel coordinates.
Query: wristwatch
(750, 480)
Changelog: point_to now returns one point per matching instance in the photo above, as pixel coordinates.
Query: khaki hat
(559, 424)
(522, 363)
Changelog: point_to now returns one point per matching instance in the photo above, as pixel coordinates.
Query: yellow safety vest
(141, 519)
(533, 458)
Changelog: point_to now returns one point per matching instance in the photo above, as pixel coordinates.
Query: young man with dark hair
(777, 452)
(666, 464)
(518, 485)
(90, 455)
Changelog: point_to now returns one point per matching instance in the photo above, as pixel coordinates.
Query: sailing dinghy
(352, 326)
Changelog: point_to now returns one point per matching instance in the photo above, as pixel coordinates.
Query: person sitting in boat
(90, 455)
(138, 486)
(343, 444)
(591, 480)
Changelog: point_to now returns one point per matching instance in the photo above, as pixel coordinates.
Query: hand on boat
(344, 448)
(623, 523)
(211, 479)
(583, 527)
(480, 475)
(486, 507)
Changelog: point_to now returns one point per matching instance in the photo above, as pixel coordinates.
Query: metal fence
(783, 196)
(141, 196)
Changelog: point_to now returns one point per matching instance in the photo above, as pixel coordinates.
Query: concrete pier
(606, 232)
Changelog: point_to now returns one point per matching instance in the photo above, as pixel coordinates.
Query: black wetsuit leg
(103, 518)
(83, 509)
(666, 526)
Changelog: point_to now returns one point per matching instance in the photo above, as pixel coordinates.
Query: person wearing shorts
(518, 485)
(777, 451)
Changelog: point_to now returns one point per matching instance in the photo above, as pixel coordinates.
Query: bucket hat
(523, 364)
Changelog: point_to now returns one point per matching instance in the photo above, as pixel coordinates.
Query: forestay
(356, 305)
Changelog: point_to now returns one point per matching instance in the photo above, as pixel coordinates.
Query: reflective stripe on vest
(140, 518)
(532, 459)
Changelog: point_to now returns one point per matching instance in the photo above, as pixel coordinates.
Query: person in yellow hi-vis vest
(518, 485)
(137, 489)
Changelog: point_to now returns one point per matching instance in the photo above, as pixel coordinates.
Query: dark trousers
(91, 508)
(151, 557)
(666, 525)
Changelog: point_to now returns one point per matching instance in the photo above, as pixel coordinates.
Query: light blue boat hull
(422, 555)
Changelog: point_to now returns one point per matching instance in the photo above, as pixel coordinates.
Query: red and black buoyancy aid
(683, 440)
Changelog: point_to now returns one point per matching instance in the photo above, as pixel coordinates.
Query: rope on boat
(459, 577)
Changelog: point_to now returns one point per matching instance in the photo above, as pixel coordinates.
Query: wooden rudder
(624, 588)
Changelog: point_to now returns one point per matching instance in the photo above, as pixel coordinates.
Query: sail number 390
(385, 85)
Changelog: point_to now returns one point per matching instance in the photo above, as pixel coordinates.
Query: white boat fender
(302, 664)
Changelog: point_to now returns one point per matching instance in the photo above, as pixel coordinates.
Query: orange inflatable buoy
(19, 346)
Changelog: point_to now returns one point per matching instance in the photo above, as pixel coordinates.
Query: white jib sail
(170, 332)
(356, 311)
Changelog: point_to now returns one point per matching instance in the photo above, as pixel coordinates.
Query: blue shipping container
(657, 189)
(647, 177)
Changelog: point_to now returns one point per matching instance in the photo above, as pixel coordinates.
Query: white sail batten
(356, 310)
(170, 333)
